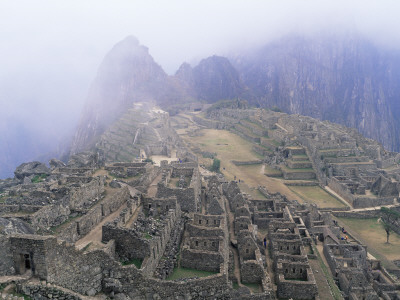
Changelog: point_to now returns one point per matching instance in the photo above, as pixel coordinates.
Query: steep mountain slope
(128, 74)
(213, 79)
(346, 80)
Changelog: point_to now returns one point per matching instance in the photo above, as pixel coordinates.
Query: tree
(216, 165)
(389, 218)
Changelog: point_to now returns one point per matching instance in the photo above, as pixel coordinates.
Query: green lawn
(180, 273)
(371, 232)
(317, 195)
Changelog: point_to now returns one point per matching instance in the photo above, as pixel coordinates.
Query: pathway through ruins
(232, 237)
(95, 235)
(152, 190)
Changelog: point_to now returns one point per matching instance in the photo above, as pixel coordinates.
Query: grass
(148, 236)
(39, 178)
(134, 261)
(230, 146)
(372, 233)
(289, 170)
(180, 273)
(86, 247)
(254, 287)
(332, 285)
(58, 228)
(272, 172)
(317, 195)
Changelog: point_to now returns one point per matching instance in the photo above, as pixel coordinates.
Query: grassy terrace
(230, 146)
(315, 194)
(371, 232)
(289, 170)
(272, 172)
(181, 273)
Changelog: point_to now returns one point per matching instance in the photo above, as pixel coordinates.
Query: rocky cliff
(346, 80)
(128, 74)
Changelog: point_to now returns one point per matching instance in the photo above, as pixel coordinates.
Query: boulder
(114, 184)
(31, 168)
(55, 163)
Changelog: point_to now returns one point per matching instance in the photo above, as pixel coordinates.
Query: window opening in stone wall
(199, 222)
(197, 243)
(205, 244)
(27, 261)
(247, 250)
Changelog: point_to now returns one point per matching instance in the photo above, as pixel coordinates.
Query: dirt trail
(262, 171)
(232, 236)
(94, 236)
(133, 218)
(152, 190)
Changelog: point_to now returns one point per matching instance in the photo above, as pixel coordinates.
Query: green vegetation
(276, 109)
(236, 103)
(371, 232)
(235, 286)
(86, 247)
(332, 285)
(389, 219)
(216, 165)
(134, 261)
(148, 160)
(254, 287)
(317, 195)
(39, 178)
(180, 273)
(148, 236)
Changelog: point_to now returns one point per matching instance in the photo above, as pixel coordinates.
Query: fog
(50, 50)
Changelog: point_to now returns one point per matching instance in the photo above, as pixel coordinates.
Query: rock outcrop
(31, 168)
(128, 74)
(346, 80)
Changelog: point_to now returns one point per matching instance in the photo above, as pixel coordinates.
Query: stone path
(329, 190)
(133, 218)
(152, 190)
(94, 236)
(232, 236)
(324, 291)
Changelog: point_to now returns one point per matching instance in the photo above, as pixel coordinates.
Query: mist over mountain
(345, 79)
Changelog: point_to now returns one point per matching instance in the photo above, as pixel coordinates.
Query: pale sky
(50, 50)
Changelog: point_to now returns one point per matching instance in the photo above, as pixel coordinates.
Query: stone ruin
(306, 151)
(94, 228)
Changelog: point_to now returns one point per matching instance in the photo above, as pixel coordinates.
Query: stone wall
(251, 272)
(86, 194)
(6, 258)
(201, 260)
(187, 198)
(296, 289)
(44, 291)
(80, 227)
(296, 175)
(131, 244)
(247, 162)
(52, 215)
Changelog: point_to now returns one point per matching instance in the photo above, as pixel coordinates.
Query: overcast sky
(50, 50)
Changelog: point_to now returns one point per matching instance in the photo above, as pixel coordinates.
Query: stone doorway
(24, 263)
